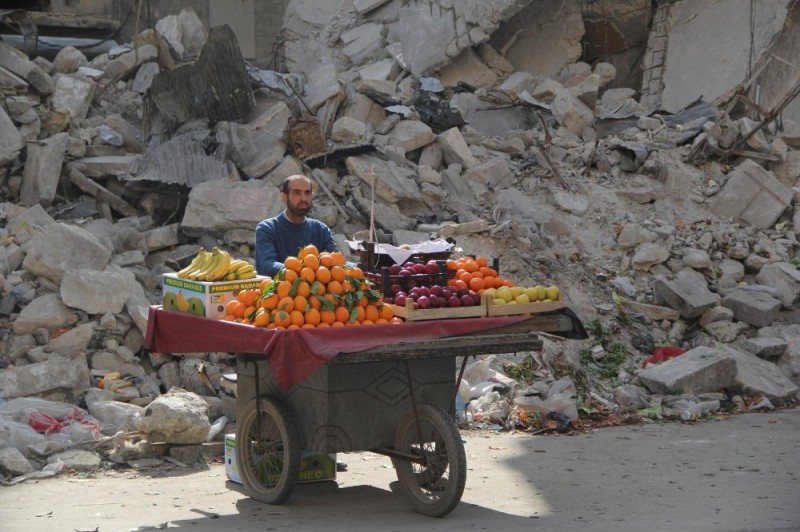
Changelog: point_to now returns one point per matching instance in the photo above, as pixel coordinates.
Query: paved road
(738, 474)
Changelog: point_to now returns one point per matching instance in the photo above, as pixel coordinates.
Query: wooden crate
(527, 308)
(410, 314)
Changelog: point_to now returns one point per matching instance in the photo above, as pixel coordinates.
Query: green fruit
(196, 306)
(170, 301)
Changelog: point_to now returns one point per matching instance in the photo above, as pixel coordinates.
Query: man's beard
(297, 210)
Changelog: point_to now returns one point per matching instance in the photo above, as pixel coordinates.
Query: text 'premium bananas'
(216, 265)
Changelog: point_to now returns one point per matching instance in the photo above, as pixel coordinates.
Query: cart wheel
(267, 451)
(433, 487)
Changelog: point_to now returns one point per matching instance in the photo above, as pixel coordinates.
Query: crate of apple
(437, 296)
(404, 277)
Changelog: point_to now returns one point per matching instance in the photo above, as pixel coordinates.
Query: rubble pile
(665, 229)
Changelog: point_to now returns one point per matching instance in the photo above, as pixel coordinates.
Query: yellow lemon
(542, 292)
(532, 293)
(504, 293)
(552, 293)
(499, 301)
(516, 291)
(522, 299)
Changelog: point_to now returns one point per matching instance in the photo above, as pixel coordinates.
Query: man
(285, 234)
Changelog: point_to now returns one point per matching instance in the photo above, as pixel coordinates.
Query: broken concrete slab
(392, 183)
(215, 207)
(699, 370)
(785, 278)
(411, 135)
(572, 113)
(11, 141)
(105, 165)
(687, 293)
(765, 197)
(17, 62)
(216, 86)
(42, 170)
(754, 308)
(757, 377)
(47, 311)
(766, 348)
(61, 247)
(363, 42)
(73, 94)
(454, 149)
(490, 121)
(468, 68)
(101, 193)
(60, 377)
(731, 44)
(323, 84)
(93, 292)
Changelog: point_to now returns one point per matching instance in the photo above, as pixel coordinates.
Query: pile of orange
(474, 273)
(314, 290)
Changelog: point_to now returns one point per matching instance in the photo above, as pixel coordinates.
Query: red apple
(454, 301)
(394, 269)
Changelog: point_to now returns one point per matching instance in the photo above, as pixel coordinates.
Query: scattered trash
(662, 354)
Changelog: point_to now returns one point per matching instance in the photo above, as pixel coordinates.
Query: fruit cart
(388, 389)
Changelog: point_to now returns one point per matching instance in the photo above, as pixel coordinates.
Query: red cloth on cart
(295, 355)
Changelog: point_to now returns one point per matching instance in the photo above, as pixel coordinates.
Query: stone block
(688, 293)
(758, 309)
(753, 195)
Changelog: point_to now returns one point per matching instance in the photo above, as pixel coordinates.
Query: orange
(248, 297)
(249, 312)
(482, 262)
(347, 286)
(508, 282)
(323, 274)
(335, 287)
(465, 277)
(313, 317)
(303, 289)
(308, 326)
(327, 317)
(281, 318)
(361, 314)
(452, 265)
(315, 302)
(386, 312)
(293, 263)
(460, 284)
(311, 261)
(337, 324)
(338, 258)
(381, 321)
(286, 304)
(317, 288)
(292, 327)
(363, 302)
(307, 274)
(471, 266)
(262, 318)
(342, 315)
(297, 317)
(371, 312)
(477, 274)
(230, 308)
(356, 272)
(326, 259)
(337, 273)
(488, 282)
(324, 326)
(283, 289)
(264, 284)
(476, 284)
(367, 322)
(270, 302)
(300, 303)
(289, 275)
(310, 249)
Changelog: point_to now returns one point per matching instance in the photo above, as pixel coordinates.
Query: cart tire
(435, 488)
(269, 462)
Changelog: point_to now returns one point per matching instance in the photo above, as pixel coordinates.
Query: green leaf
(353, 314)
(295, 284)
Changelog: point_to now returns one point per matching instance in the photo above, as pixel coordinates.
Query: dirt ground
(737, 474)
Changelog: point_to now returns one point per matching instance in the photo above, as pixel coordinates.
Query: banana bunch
(216, 265)
(240, 269)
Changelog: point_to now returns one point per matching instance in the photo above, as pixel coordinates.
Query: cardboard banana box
(205, 299)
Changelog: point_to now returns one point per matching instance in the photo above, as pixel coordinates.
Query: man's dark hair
(285, 184)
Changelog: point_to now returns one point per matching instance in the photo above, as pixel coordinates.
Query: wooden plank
(410, 314)
(467, 345)
(525, 308)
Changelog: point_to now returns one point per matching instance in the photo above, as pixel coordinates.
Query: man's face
(299, 198)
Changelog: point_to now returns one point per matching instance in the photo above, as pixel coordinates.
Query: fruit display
(521, 295)
(314, 290)
(475, 273)
(436, 296)
(216, 265)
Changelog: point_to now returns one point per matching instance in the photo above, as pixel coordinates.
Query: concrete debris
(662, 201)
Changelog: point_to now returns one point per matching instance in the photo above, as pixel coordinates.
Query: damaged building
(642, 155)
